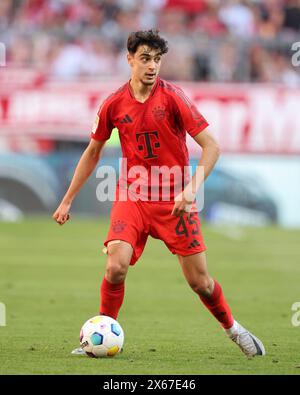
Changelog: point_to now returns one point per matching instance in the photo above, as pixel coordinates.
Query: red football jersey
(152, 135)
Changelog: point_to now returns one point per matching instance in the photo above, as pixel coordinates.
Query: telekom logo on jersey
(147, 137)
(154, 183)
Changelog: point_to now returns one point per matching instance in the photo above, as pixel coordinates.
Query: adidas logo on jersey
(126, 119)
(194, 244)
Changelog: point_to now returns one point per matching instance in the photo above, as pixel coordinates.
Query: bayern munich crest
(159, 113)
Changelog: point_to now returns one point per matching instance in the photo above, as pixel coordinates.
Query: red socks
(112, 296)
(218, 306)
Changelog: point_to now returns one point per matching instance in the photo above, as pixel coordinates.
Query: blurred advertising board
(256, 181)
(258, 119)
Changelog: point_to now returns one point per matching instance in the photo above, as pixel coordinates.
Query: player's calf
(113, 287)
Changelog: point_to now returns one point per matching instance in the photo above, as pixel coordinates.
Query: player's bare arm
(84, 169)
(209, 157)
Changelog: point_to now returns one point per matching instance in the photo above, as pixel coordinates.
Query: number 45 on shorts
(186, 225)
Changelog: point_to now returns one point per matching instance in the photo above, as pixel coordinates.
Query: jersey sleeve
(188, 115)
(103, 125)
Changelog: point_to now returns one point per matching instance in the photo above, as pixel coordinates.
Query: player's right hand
(61, 215)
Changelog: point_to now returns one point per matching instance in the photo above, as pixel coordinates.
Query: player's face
(145, 64)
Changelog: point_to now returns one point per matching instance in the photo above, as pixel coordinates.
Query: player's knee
(115, 273)
(201, 286)
(116, 269)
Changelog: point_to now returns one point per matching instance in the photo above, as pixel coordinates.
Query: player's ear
(130, 59)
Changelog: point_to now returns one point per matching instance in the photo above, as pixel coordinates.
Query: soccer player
(153, 117)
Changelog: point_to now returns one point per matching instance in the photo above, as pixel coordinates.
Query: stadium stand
(210, 40)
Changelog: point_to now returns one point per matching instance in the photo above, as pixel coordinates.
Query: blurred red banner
(244, 118)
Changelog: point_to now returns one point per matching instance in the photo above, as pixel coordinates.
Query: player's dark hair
(151, 38)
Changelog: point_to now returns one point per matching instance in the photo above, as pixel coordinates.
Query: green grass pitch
(49, 282)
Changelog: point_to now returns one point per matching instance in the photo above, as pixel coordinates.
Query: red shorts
(133, 222)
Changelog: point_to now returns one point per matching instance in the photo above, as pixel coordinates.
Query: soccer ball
(101, 336)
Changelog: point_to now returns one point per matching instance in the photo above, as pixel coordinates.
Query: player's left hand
(61, 215)
(182, 204)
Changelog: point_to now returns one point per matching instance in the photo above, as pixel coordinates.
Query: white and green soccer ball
(101, 336)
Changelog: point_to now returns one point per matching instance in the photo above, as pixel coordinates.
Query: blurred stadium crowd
(209, 40)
